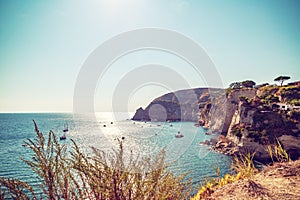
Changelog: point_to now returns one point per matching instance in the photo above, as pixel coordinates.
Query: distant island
(247, 116)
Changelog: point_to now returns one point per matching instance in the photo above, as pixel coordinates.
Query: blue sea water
(100, 130)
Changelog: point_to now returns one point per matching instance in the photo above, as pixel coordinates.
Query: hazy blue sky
(43, 45)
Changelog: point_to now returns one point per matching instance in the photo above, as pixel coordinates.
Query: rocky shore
(225, 146)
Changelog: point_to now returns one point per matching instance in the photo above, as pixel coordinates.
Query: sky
(44, 45)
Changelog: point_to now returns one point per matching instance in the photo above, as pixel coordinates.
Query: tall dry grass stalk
(15, 189)
(244, 165)
(278, 153)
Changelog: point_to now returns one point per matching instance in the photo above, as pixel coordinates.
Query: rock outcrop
(291, 144)
(182, 105)
(218, 116)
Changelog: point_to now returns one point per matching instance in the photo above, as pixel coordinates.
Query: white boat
(179, 135)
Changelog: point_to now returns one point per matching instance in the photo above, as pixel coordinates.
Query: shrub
(248, 84)
(266, 91)
(295, 102)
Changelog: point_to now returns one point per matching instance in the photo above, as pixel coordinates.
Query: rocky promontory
(182, 105)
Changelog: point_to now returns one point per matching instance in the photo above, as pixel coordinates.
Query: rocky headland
(248, 118)
(182, 105)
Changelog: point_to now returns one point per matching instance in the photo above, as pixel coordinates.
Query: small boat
(65, 130)
(63, 137)
(179, 135)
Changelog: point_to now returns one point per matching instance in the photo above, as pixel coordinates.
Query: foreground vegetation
(244, 169)
(75, 175)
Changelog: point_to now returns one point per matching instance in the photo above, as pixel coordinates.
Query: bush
(269, 89)
(295, 102)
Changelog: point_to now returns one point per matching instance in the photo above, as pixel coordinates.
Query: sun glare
(115, 5)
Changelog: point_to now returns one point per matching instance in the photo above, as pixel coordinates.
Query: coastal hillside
(249, 117)
(256, 118)
(182, 105)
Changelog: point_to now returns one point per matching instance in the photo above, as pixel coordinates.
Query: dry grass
(278, 154)
(244, 168)
(279, 181)
(16, 189)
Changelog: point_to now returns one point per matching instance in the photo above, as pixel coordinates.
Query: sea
(101, 130)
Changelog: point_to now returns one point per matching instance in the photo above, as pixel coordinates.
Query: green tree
(281, 79)
(235, 85)
(248, 84)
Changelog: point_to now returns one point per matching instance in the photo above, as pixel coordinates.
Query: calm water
(147, 139)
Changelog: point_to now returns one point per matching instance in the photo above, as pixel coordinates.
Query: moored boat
(179, 135)
(65, 130)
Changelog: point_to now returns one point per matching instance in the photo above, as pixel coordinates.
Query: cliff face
(183, 105)
(218, 116)
(254, 121)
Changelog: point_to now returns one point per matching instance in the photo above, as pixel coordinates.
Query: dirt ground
(280, 181)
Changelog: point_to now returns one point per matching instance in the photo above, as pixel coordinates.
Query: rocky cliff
(254, 121)
(218, 116)
(182, 105)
